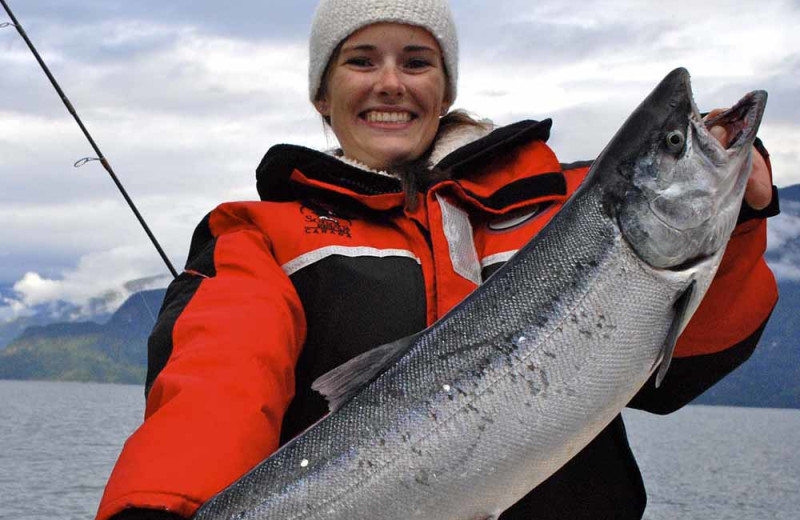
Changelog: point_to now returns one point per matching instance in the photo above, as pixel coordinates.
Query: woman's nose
(390, 82)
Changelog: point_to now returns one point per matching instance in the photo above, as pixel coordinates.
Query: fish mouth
(741, 121)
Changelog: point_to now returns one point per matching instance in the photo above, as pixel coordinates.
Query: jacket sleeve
(220, 375)
(725, 330)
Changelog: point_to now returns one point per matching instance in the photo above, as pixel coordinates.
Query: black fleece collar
(273, 174)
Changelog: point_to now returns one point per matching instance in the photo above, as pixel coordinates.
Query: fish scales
(514, 381)
(443, 441)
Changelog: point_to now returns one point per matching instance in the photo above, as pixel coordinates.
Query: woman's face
(384, 93)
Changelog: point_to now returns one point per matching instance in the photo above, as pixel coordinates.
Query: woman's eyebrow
(418, 48)
(362, 47)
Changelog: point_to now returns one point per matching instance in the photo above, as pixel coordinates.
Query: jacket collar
(289, 170)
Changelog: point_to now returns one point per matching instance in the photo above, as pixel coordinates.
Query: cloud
(100, 283)
(782, 142)
(784, 228)
(783, 242)
(201, 107)
(786, 270)
(184, 97)
(11, 309)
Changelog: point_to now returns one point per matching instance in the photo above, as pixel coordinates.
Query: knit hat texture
(335, 20)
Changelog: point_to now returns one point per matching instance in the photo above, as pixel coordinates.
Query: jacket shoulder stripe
(499, 258)
(315, 256)
(460, 241)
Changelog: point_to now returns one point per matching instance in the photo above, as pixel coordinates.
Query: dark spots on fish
(601, 321)
(471, 407)
(482, 427)
(534, 388)
(416, 451)
(423, 477)
(434, 417)
(405, 437)
(585, 332)
(507, 345)
(549, 354)
(531, 367)
(382, 442)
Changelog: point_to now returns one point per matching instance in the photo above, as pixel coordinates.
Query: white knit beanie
(335, 20)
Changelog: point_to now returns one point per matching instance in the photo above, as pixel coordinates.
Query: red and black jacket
(331, 263)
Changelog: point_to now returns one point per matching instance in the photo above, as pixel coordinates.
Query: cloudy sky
(185, 96)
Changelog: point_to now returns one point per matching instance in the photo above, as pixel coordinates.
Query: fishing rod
(86, 133)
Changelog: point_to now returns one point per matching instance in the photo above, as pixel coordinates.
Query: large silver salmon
(463, 419)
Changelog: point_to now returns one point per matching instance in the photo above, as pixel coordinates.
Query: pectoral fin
(681, 307)
(343, 382)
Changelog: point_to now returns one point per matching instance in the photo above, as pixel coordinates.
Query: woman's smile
(392, 118)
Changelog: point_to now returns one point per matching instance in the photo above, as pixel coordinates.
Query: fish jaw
(673, 188)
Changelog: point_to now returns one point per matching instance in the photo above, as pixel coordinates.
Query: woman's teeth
(388, 117)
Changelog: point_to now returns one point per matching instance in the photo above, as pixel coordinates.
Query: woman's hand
(758, 193)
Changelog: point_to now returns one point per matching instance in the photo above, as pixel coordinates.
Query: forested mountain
(114, 352)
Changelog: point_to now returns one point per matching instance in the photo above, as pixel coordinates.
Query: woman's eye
(418, 63)
(359, 62)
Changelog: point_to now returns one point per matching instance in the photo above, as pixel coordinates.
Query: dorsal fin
(681, 308)
(346, 380)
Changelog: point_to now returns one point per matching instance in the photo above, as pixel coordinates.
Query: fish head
(673, 188)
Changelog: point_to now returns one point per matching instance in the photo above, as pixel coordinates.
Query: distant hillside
(771, 377)
(114, 352)
(97, 309)
(44, 314)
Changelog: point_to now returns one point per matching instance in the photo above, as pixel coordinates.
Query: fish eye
(675, 141)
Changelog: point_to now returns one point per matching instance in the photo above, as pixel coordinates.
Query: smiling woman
(383, 94)
(374, 241)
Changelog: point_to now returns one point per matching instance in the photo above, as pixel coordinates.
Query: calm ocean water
(58, 442)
